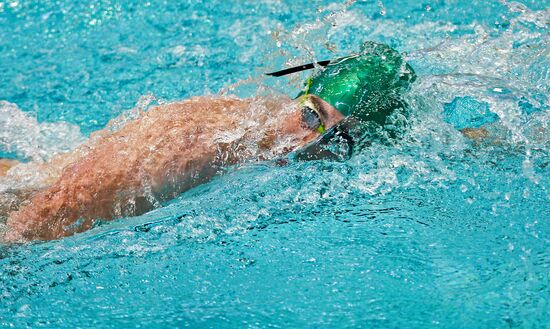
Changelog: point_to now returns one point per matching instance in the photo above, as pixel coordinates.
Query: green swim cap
(367, 85)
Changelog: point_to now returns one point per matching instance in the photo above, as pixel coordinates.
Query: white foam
(22, 134)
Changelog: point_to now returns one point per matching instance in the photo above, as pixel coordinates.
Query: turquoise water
(433, 231)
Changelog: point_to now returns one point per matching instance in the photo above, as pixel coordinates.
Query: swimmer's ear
(297, 69)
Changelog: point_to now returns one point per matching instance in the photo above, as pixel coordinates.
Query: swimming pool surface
(435, 231)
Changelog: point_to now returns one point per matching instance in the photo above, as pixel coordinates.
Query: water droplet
(382, 8)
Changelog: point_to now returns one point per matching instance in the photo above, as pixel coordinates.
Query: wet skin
(164, 152)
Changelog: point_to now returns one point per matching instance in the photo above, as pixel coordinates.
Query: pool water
(433, 231)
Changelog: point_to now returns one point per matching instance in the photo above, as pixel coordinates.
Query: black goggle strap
(309, 66)
(297, 69)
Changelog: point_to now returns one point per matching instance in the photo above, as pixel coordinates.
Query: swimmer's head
(365, 87)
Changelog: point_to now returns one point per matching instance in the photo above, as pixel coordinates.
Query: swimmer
(174, 147)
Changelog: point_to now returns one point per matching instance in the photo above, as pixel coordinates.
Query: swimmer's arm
(21, 181)
(5, 165)
(126, 173)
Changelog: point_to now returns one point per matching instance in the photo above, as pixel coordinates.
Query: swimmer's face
(312, 117)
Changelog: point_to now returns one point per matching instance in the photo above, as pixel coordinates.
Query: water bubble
(382, 8)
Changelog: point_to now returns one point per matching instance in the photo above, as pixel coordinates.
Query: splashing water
(433, 230)
(25, 138)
